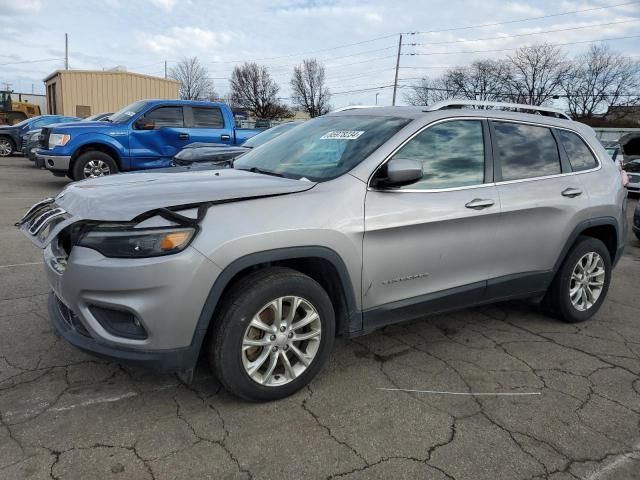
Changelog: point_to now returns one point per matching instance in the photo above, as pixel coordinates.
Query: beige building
(86, 92)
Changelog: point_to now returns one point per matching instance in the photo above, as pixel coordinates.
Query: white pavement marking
(618, 462)
(508, 394)
(20, 264)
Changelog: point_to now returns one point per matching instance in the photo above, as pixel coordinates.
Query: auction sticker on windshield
(342, 135)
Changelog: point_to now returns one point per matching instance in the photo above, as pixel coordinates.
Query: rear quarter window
(580, 157)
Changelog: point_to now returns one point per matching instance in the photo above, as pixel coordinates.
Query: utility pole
(395, 82)
(165, 69)
(66, 51)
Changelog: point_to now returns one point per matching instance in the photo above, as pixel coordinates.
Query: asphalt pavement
(67, 415)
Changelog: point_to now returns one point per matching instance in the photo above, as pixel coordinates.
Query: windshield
(127, 112)
(264, 137)
(322, 148)
(612, 151)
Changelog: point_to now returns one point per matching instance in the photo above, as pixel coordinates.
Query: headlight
(136, 243)
(58, 139)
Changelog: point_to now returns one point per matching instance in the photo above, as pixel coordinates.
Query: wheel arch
(96, 146)
(605, 229)
(320, 263)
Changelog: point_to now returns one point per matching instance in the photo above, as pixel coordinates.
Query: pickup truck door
(207, 124)
(431, 245)
(155, 148)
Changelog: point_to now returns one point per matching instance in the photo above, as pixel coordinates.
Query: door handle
(225, 137)
(184, 136)
(571, 192)
(479, 203)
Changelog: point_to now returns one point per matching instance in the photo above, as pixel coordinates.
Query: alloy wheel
(587, 281)
(96, 168)
(5, 148)
(281, 341)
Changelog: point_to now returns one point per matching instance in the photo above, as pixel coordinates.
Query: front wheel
(6, 147)
(93, 164)
(582, 282)
(273, 334)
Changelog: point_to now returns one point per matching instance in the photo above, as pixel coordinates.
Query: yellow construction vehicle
(13, 112)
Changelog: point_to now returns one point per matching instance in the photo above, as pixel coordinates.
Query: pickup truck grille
(43, 140)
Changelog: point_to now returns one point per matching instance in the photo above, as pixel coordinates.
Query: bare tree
(600, 78)
(308, 89)
(482, 80)
(195, 83)
(537, 74)
(253, 88)
(428, 91)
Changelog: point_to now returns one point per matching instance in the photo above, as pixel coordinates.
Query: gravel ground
(67, 415)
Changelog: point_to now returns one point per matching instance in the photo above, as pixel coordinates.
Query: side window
(204, 117)
(525, 151)
(452, 155)
(579, 154)
(166, 117)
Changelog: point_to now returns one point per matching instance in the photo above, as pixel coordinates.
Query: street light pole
(377, 98)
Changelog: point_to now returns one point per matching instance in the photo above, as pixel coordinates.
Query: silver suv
(345, 224)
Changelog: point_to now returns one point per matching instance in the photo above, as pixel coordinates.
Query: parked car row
(13, 137)
(347, 223)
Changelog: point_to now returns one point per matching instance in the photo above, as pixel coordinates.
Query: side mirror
(144, 124)
(398, 172)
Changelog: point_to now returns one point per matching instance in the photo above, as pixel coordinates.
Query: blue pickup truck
(145, 134)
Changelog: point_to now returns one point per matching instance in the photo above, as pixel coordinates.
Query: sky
(357, 41)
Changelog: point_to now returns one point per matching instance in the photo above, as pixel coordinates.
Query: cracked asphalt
(66, 415)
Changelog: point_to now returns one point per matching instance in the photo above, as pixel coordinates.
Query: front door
(432, 244)
(155, 148)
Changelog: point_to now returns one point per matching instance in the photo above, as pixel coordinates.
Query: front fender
(82, 141)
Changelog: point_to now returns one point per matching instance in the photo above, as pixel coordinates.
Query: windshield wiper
(264, 172)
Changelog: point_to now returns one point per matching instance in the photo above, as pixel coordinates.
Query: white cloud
(166, 5)
(17, 7)
(181, 39)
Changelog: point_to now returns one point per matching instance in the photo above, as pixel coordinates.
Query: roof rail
(546, 111)
(354, 107)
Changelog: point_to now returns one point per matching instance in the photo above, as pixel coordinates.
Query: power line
(516, 48)
(507, 22)
(31, 61)
(525, 34)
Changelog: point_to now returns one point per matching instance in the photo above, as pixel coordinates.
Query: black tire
(8, 147)
(557, 301)
(246, 299)
(96, 156)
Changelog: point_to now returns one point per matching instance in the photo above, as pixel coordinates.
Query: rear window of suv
(580, 157)
(525, 151)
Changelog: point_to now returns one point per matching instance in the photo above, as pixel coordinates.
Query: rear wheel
(273, 334)
(581, 284)
(93, 164)
(6, 147)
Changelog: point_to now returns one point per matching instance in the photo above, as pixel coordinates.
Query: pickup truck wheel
(273, 334)
(93, 164)
(6, 147)
(581, 284)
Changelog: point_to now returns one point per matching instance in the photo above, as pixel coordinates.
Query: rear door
(431, 244)
(155, 148)
(541, 201)
(207, 124)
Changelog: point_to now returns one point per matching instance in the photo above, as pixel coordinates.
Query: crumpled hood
(125, 196)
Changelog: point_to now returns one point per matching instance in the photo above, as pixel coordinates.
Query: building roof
(106, 72)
